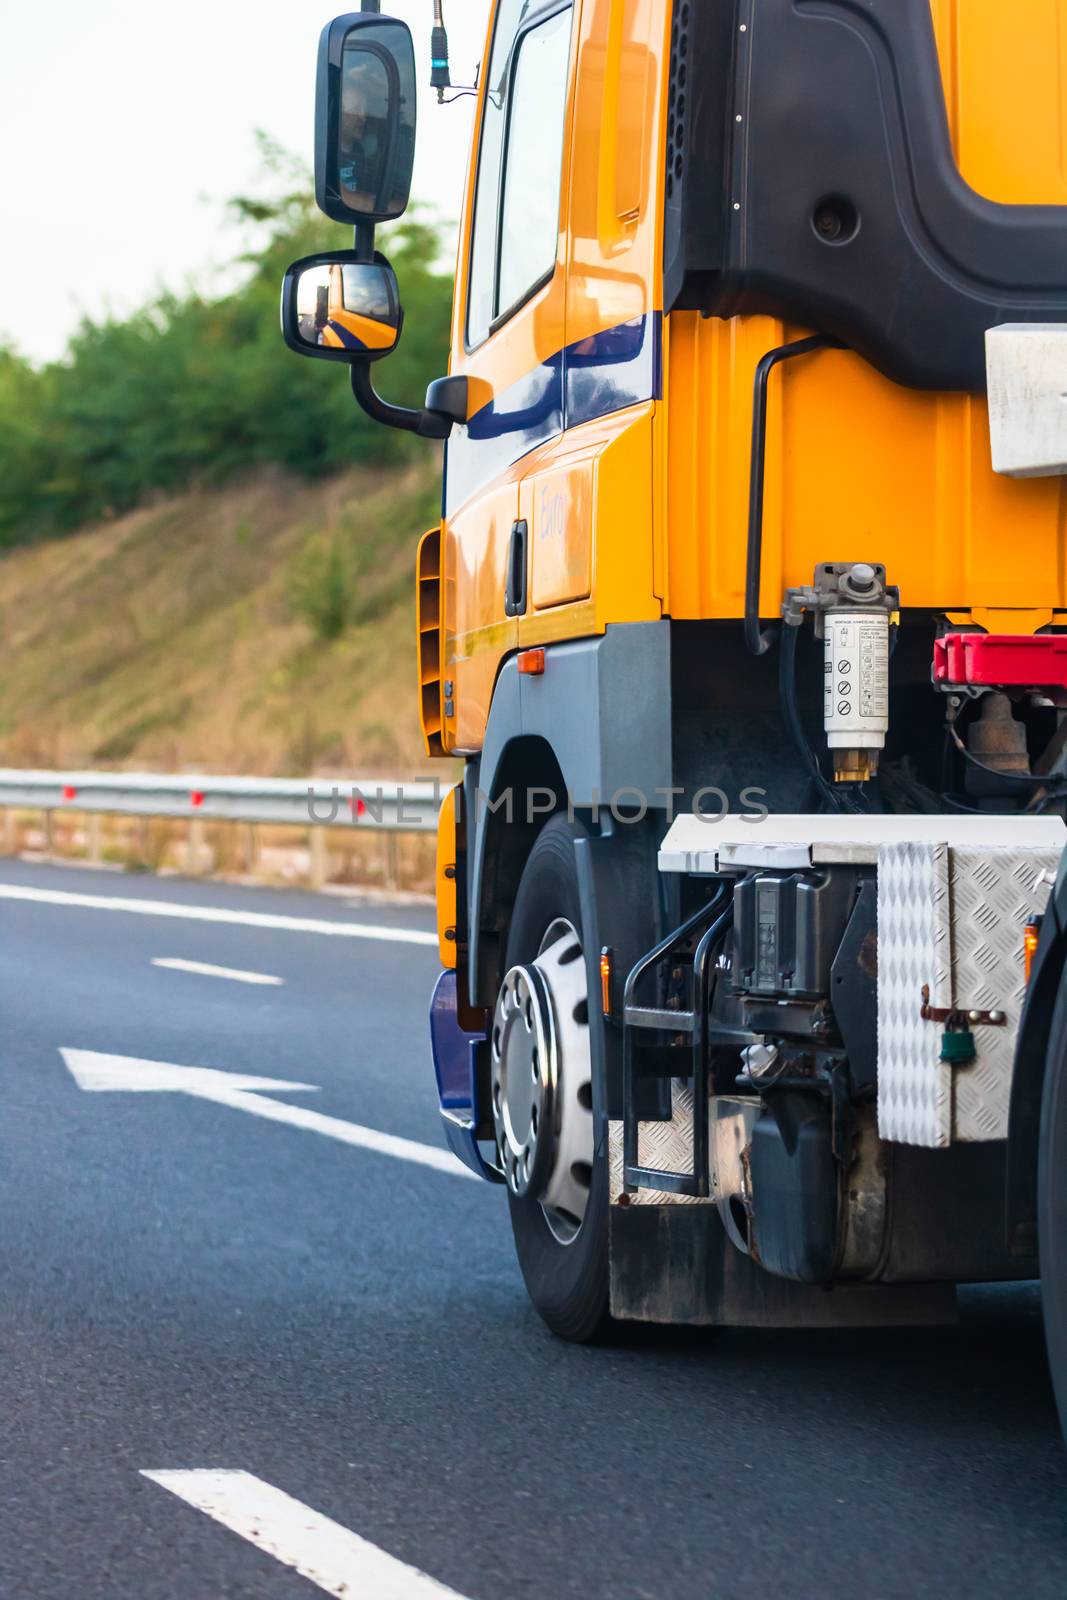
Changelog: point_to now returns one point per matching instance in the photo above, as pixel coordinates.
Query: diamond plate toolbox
(951, 917)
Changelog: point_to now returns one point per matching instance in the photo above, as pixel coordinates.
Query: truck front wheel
(542, 1094)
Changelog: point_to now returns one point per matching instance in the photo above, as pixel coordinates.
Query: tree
(195, 389)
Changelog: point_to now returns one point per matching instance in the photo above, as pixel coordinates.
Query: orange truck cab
(747, 617)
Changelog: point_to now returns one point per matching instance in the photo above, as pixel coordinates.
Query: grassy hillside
(267, 627)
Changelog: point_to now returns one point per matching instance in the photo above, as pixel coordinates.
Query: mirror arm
(363, 240)
(427, 424)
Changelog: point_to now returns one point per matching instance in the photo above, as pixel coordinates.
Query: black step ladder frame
(715, 918)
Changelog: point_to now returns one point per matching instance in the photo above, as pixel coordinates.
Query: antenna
(440, 77)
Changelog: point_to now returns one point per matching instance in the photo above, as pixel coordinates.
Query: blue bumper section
(454, 1066)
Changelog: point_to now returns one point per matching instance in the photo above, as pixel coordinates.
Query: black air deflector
(836, 200)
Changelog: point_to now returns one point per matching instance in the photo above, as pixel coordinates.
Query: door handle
(515, 587)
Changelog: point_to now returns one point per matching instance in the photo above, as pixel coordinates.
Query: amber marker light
(1031, 935)
(532, 663)
(606, 967)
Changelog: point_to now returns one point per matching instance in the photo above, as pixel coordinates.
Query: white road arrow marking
(98, 1073)
(330, 1556)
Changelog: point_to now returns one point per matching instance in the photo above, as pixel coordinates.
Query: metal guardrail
(360, 803)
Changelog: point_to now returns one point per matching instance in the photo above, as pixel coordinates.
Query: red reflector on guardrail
(196, 798)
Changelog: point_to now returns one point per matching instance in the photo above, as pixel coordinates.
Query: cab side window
(516, 208)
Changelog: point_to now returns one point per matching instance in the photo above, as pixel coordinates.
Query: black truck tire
(567, 1282)
(1052, 1203)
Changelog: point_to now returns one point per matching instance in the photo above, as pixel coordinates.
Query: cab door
(588, 498)
(508, 339)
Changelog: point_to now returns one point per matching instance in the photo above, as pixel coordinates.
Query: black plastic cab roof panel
(835, 199)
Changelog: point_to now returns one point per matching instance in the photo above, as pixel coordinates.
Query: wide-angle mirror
(341, 309)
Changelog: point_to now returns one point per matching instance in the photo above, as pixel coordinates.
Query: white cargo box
(1026, 365)
(702, 846)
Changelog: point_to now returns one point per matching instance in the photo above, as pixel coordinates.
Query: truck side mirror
(338, 308)
(364, 119)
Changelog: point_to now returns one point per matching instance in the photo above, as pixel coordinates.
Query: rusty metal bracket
(953, 1017)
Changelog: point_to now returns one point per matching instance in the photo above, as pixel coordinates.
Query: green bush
(321, 588)
(193, 389)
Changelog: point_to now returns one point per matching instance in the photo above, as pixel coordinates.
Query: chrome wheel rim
(542, 1081)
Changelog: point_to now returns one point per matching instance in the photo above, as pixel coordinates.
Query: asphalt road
(185, 1286)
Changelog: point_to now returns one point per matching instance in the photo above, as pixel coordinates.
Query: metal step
(710, 923)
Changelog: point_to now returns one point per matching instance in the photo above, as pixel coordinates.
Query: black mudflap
(674, 1264)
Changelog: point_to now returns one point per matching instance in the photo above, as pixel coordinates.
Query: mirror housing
(364, 118)
(449, 397)
(336, 307)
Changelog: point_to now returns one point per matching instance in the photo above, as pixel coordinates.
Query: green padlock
(957, 1046)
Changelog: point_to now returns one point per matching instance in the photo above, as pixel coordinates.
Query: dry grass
(172, 639)
(388, 863)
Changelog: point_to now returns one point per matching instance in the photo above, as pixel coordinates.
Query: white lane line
(204, 969)
(98, 1073)
(328, 1555)
(245, 919)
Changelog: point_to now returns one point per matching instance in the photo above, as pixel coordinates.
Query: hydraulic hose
(759, 643)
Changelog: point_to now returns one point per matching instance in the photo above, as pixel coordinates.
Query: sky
(126, 124)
